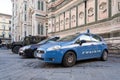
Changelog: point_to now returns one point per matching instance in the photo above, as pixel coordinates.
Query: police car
(72, 48)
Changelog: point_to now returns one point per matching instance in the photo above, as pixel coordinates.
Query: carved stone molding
(81, 15)
(103, 7)
(90, 12)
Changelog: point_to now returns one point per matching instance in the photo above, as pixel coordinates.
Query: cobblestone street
(14, 67)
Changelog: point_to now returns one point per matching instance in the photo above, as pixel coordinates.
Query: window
(9, 28)
(27, 40)
(42, 5)
(3, 27)
(96, 38)
(9, 22)
(25, 33)
(9, 36)
(69, 37)
(3, 35)
(33, 39)
(85, 37)
(42, 29)
(25, 7)
(38, 5)
(25, 17)
(38, 28)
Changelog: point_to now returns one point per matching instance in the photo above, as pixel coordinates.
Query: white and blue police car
(72, 48)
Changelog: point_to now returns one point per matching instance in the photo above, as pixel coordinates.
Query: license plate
(39, 55)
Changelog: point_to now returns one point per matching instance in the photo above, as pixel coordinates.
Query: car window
(85, 37)
(96, 38)
(69, 38)
(33, 39)
(26, 39)
(42, 38)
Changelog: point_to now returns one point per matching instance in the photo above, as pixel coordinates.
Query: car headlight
(21, 50)
(54, 48)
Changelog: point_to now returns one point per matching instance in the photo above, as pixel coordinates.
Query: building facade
(66, 17)
(5, 28)
(29, 18)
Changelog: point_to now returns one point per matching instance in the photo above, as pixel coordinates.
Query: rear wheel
(104, 56)
(69, 59)
(16, 49)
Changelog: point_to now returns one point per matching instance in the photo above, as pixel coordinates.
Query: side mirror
(78, 42)
(82, 41)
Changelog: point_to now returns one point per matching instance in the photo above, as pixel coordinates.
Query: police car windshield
(68, 38)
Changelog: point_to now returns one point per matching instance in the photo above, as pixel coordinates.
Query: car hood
(52, 44)
(34, 46)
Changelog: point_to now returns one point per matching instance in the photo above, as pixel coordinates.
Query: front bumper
(21, 53)
(27, 53)
(51, 56)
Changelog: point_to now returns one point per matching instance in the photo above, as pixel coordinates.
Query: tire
(69, 59)
(104, 56)
(16, 49)
(13, 50)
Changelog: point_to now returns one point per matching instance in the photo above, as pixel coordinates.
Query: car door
(84, 51)
(97, 45)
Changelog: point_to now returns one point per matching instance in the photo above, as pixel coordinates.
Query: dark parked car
(26, 41)
(28, 51)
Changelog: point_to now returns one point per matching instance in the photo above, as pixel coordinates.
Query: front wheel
(69, 59)
(104, 56)
(16, 49)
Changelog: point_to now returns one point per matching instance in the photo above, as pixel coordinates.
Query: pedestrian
(0, 41)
